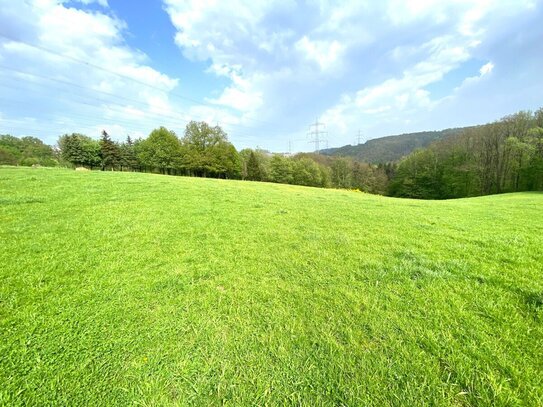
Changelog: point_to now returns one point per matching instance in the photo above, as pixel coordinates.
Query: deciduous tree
(161, 151)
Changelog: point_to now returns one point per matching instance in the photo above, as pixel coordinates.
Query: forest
(503, 156)
(390, 148)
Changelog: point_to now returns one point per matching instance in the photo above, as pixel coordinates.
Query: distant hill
(390, 148)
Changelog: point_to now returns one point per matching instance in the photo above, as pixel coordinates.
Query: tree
(25, 151)
(226, 160)
(281, 169)
(10, 150)
(261, 156)
(418, 176)
(35, 150)
(521, 153)
(254, 169)
(325, 176)
(244, 157)
(307, 172)
(341, 173)
(459, 175)
(161, 151)
(8, 156)
(503, 156)
(127, 151)
(207, 151)
(533, 170)
(538, 118)
(109, 152)
(362, 177)
(79, 150)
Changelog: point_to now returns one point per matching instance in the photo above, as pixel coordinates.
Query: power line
(88, 121)
(147, 119)
(131, 100)
(146, 116)
(315, 134)
(92, 120)
(68, 83)
(101, 68)
(111, 103)
(34, 129)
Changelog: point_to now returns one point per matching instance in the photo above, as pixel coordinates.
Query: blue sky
(265, 70)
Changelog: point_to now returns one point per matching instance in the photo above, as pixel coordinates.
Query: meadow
(140, 289)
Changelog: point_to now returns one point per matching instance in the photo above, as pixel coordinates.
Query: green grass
(138, 289)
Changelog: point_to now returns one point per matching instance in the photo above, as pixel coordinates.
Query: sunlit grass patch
(124, 288)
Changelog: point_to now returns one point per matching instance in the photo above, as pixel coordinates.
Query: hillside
(390, 148)
(140, 289)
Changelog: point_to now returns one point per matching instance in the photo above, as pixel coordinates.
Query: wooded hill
(391, 148)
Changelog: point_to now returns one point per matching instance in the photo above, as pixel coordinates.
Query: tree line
(204, 151)
(26, 151)
(504, 156)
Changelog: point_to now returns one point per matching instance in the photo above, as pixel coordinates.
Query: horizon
(255, 148)
(87, 65)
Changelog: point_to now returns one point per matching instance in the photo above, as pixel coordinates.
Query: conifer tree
(128, 157)
(109, 152)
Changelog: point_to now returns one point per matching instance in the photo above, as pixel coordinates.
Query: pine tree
(109, 152)
(128, 157)
(78, 150)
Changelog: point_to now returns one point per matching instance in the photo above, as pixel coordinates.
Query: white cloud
(406, 12)
(403, 95)
(237, 98)
(486, 69)
(102, 3)
(406, 96)
(325, 53)
(48, 58)
(356, 64)
(472, 81)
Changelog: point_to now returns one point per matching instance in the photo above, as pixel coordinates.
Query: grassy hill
(124, 288)
(391, 148)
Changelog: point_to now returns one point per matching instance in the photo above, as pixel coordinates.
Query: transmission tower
(315, 133)
(359, 137)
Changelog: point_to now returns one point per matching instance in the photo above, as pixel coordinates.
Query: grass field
(139, 289)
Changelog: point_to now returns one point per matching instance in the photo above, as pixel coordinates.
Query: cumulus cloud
(357, 65)
(325, 53)
(68, 62)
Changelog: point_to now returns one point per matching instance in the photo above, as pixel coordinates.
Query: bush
(29, 161)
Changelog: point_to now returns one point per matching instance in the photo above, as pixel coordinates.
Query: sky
(266, 70)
